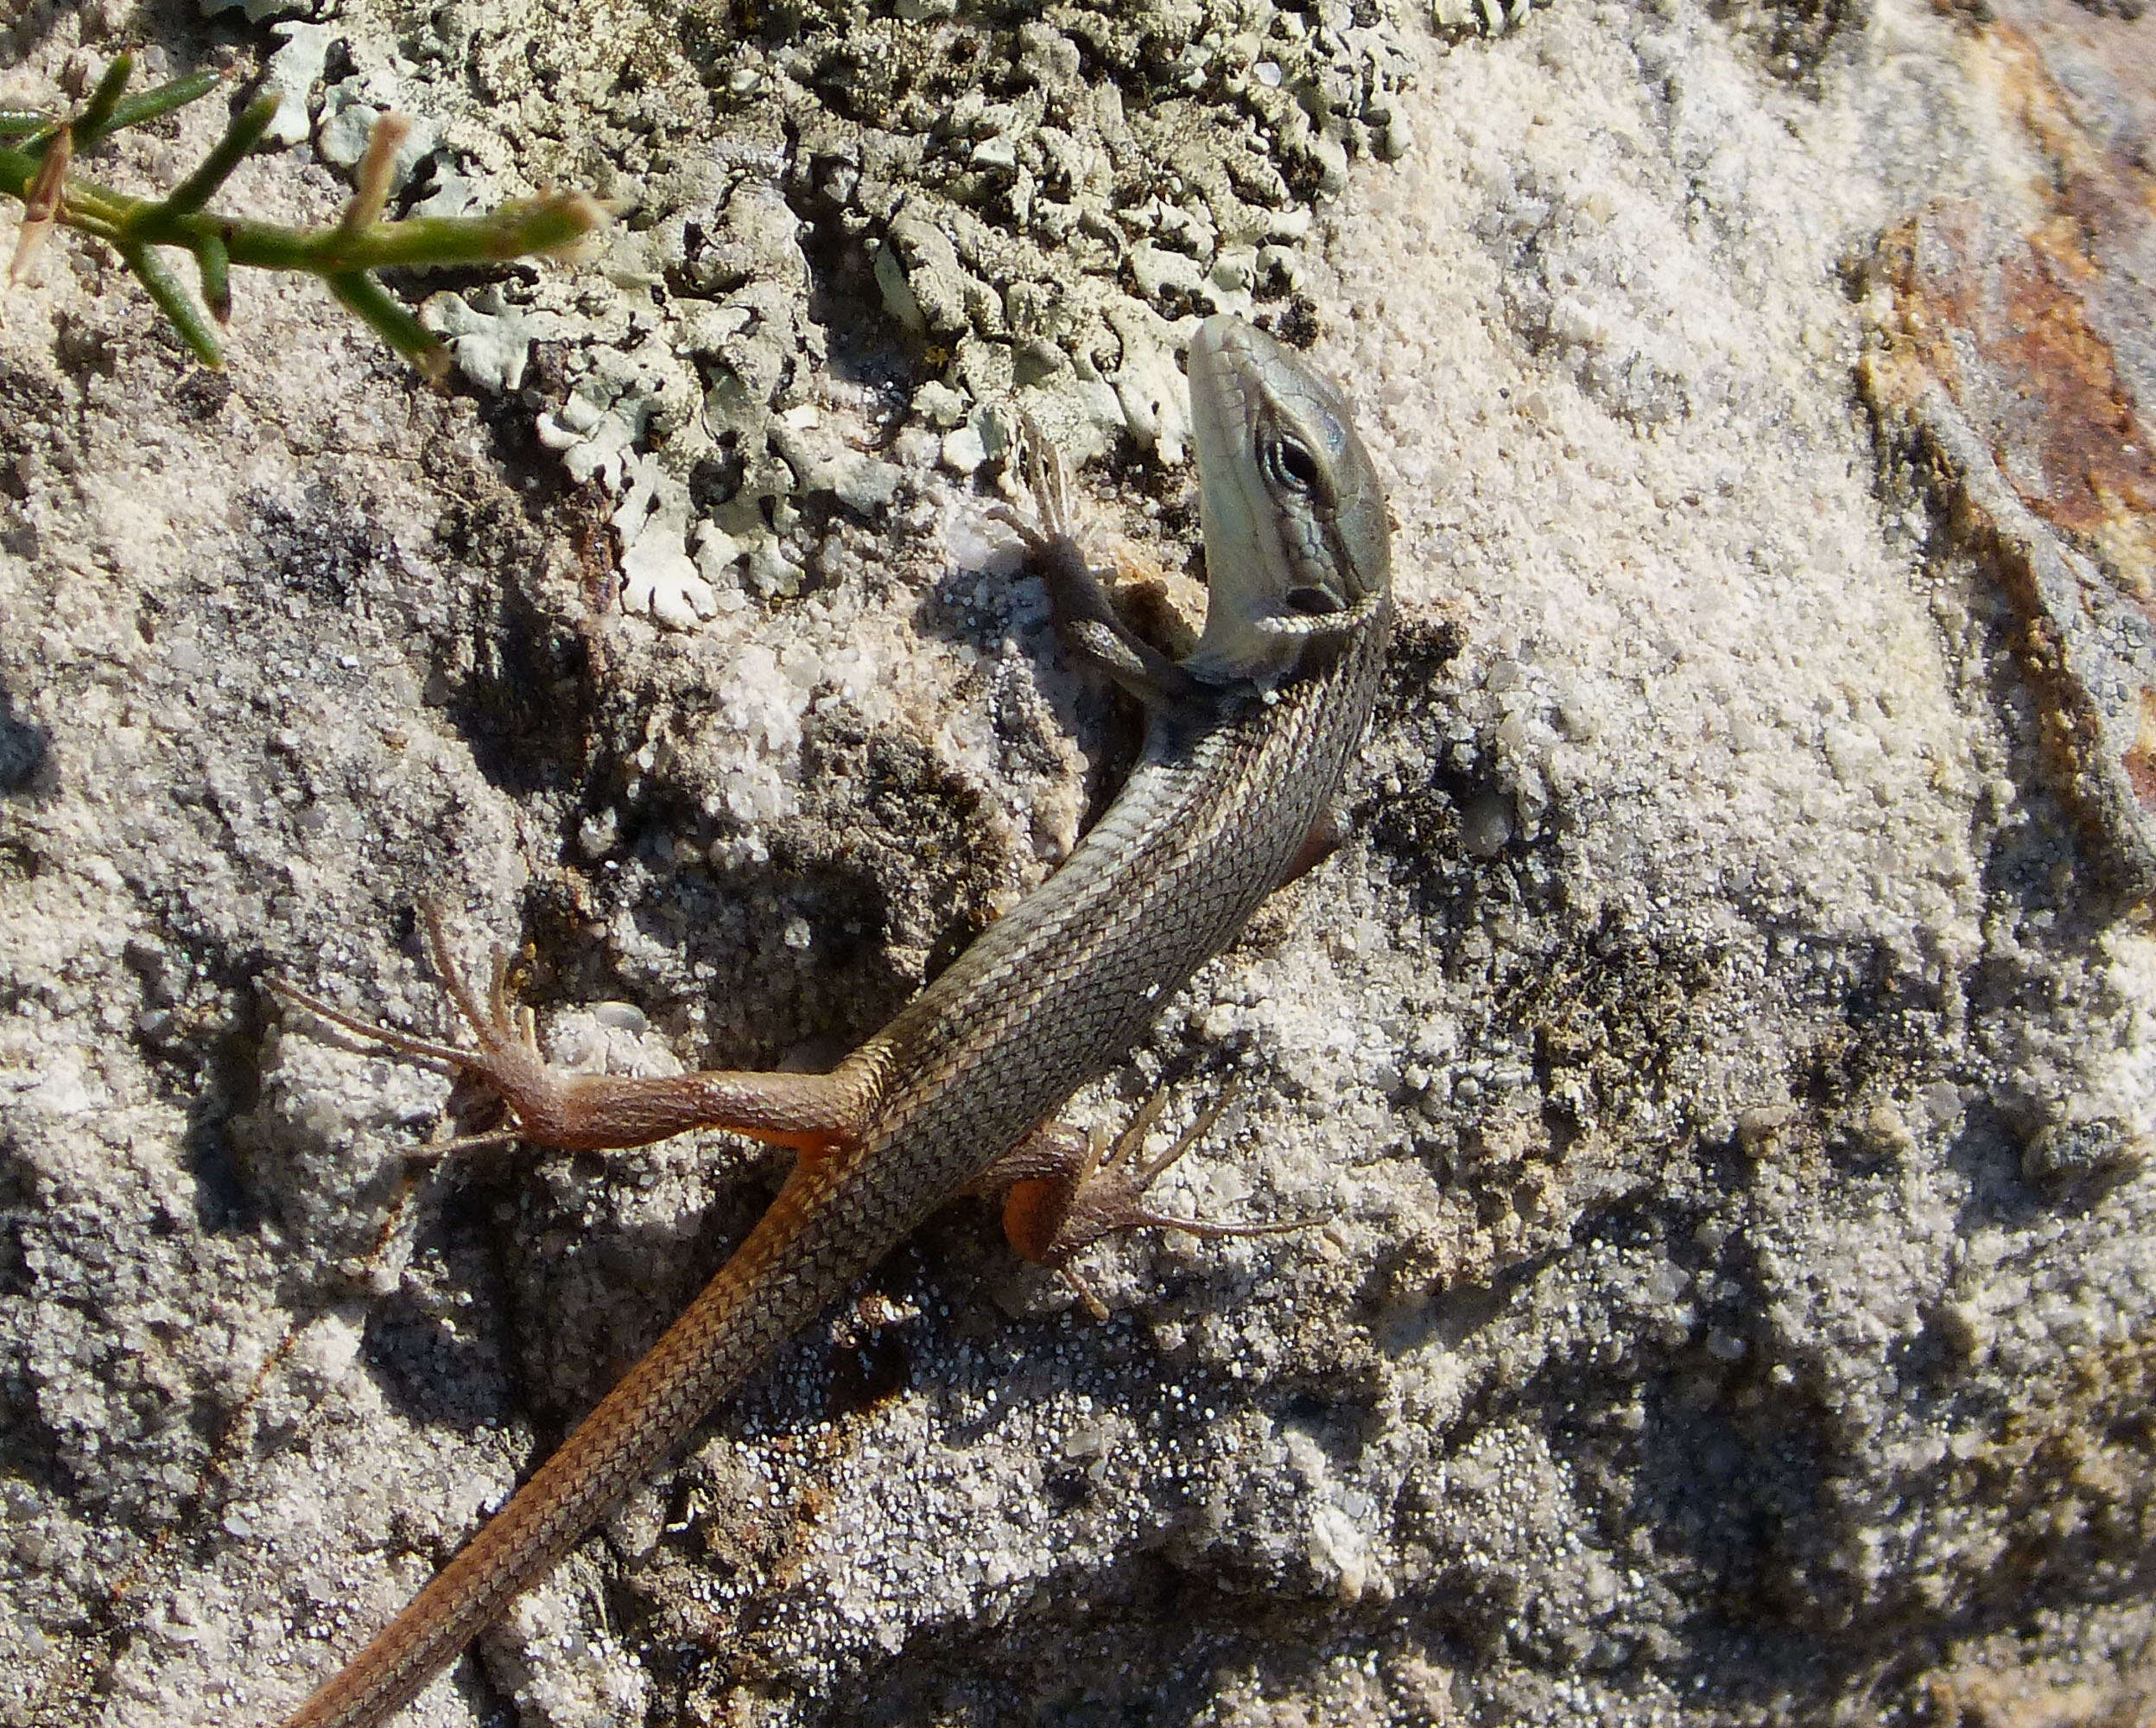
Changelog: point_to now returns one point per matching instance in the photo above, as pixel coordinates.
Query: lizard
(1247, 741)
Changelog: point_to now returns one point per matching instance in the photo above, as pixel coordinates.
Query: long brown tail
(770, 1288)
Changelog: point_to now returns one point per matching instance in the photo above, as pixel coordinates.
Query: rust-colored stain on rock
(2016, 325)
(2003, 324)
(2000, 322)
(2024, 352)
(2140, 759)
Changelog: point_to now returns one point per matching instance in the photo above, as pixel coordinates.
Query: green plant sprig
(343, 254)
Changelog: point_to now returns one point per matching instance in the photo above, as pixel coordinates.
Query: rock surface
(1721, 1053)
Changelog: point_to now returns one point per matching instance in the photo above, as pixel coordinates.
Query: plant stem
(343, 254)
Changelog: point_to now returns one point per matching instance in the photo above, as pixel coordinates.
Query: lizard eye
(1291, 465)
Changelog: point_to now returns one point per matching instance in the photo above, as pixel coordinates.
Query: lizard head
(1297, 550)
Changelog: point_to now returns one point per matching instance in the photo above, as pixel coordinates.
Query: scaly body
(1248, 739)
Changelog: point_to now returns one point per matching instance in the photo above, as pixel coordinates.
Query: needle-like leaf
(37, 151)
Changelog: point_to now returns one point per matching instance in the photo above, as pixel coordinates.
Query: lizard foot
(1051, 524)
(1066, 1193)
(504, 1075)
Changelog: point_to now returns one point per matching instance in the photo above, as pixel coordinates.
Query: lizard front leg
(1086, 617)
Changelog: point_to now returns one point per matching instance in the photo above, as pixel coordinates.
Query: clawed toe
(1113, 1198)
(504, 1034)
(1047, 483)
(1036, 539)
(404, 1043)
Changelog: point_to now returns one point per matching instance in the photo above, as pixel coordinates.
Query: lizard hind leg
(1067, 1191)
(550, 1106)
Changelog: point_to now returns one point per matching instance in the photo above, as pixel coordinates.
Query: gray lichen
(1039, 209)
